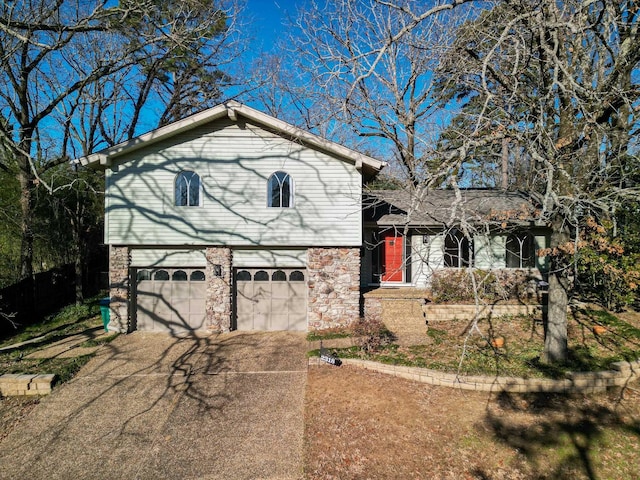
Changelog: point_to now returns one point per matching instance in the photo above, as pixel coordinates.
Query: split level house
(232, 219)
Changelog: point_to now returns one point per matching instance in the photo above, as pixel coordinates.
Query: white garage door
(170, 299)
(271, 299)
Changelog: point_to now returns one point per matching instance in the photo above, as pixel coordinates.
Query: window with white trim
(280, 190)
(187, 189)
(520, 251)
(458, 250)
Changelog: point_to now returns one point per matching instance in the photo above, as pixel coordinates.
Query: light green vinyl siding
(234, 163)
(270, 258)
(420, 265)
(489, 251)
(142, 257)
(436, 251)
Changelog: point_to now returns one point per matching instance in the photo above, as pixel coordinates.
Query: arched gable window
(280, 190)
(187, 189)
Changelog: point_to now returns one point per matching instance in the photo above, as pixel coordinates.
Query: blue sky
(266, 18)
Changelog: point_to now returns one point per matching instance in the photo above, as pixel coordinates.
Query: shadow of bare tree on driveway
(151, 405)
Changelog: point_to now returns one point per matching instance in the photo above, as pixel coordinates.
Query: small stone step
(12, 384)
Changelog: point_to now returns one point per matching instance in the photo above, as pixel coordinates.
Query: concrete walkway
(151, 406)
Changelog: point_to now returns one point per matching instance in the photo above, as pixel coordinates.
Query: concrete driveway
(151, 406)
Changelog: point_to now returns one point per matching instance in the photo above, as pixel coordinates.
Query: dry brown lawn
(13, 410)
(365, 425)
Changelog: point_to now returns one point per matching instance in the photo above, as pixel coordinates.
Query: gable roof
(234, 110)
(437, 208)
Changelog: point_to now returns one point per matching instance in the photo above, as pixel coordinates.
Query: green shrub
(608, 267)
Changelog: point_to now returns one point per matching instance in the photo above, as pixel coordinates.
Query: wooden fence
(32, 299)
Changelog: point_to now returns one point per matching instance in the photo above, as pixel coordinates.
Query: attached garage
(271, 299)
(170, 299)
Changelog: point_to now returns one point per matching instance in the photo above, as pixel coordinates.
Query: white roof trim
(231, 113)
(232, 110)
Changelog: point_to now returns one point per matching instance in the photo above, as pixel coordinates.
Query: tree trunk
(555, 335)
(25, 177)
(555, 331)
(505, 164)
(79, 275)
(78, 252)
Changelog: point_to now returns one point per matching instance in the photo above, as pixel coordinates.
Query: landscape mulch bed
(460, 346)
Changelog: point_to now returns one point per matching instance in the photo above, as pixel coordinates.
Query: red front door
(392, 257)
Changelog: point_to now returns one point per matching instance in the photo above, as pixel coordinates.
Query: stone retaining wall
(439, 312)
(21, 384)
(407, 311)
(407, 317)
(621, 375)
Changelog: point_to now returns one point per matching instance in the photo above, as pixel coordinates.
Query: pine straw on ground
(365, 425)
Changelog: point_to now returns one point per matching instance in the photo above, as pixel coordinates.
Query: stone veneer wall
(218, 302)
(334, 287)
(119, 262)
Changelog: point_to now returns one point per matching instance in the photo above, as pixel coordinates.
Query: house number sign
(329, 358)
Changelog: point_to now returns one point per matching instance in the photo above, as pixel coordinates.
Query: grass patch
(64, 368)
(619, 327)
(438, 336)
(448, 433)
(346, 352)
(328, 334)
(68, 321)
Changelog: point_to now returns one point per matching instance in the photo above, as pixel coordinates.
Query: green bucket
(105, 312)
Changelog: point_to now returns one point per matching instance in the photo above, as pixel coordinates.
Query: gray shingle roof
(435, 208)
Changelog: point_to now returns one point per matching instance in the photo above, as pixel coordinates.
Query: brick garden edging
(12, 384)
(435, 312)
(622, 373)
